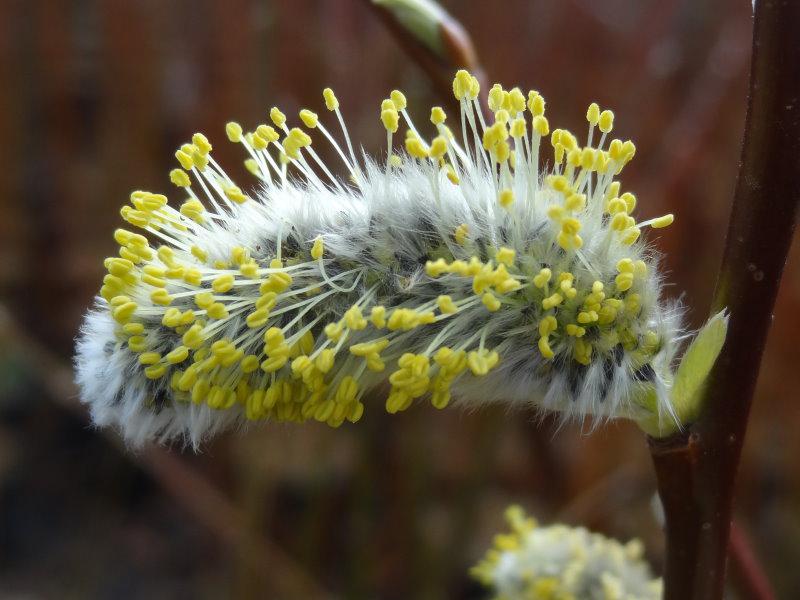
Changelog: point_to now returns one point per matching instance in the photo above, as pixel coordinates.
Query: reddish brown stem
(746, 572)
(696, 471)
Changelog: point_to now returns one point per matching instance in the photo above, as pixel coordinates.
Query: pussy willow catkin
(458, 269)
(534, 562)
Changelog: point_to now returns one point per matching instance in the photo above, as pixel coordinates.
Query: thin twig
(746, 571)
(696, 470)
(459, 52)
(198, 496)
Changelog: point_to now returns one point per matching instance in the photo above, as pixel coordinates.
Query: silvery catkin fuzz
(533, 562)
(501, 265)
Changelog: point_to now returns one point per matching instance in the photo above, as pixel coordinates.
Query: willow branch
(696, 470)
(439, 56)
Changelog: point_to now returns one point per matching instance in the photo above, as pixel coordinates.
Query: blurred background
(94, 98)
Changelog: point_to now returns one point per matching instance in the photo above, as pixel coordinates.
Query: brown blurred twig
(457, 50)
(696, 470)
(198, 496)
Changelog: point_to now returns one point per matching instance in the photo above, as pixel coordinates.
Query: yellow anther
(395, 160)
(501, 116)
(552, 301)
(155, 371)
(461, 233)
(593, 114)
(193, 338)
(509, 285)
(575, 330)
(274, 363)
(193, 210)
(496, 96)
(632, 303)
(569, 241)
(516, 100)
(268, 133)
(309, 118)
(506, 198)
(629, 199)
(258, 318)
(436, 268)
(378, 316)
(202, 143)
(252, 166)
(491, 302)
(620, 221)
(606, 121)
(324, 361)
(582, 351)
(239, 255)
(540, 125)
(204, 299)
(542, 278)
(354, 319)
(317, 248)
(482, 361)
(585, 317)
(161, 296)
(234, 194)
(334, 331)
(217, 311)
(446, 305)
(277, 117)
(438, 147)
(331, 102)
(547, 326)
(133, 328)
(249, 363)
(624, 281)
(438, 115)
(178, 355)
(234, 131)
(664, 221)
(625, 265)
(616, 205)
(277, 282)
(631, 235)
(124, 312)
(390, 119)
(417, 148)
(575, 202)
(474, 87)
(518, 127)
(571, 226)
(137, 344)
(574, 157)
(149, 358)
(179, 178)
(587, 158)
(154, 281)
(387, 104)
(135, 217)
(536, 103)
(185, 159)
(223, 283)
(545, 349)
(462, 84)
(256, 141)
(267, 301)
(505, 256)
(399, 99)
